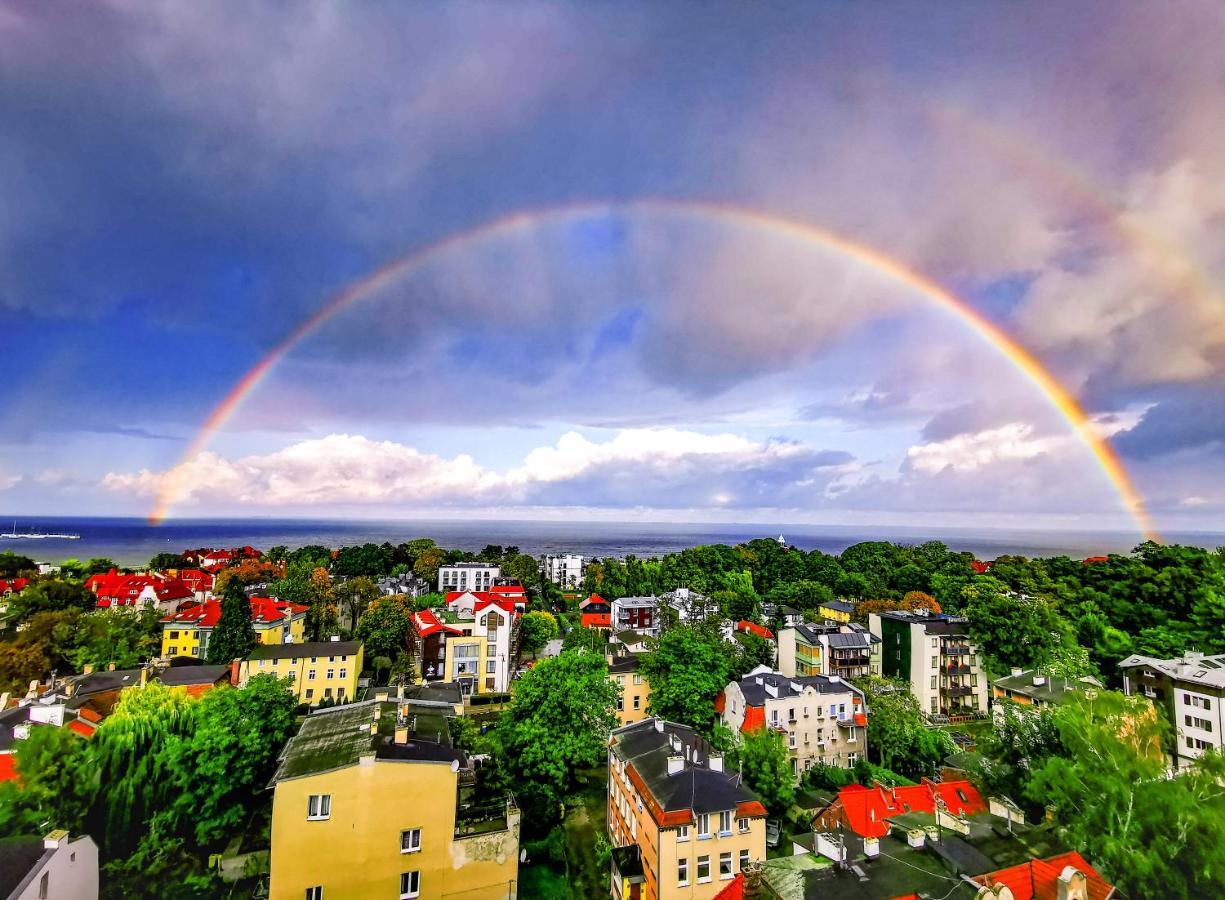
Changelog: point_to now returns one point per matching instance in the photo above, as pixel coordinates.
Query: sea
(133, 541)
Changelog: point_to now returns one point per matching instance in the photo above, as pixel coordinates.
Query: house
(634, 692)
(836, 611)
(848, 651)
(34, 868)
(1067, 876)
(867, 811)
(679, 824)
(467, 576)
(408, 585)
(188, 631)
(690, 606)
(823, 719)
(639, 614)
(1192, 690)
(1030, 687)
(117, 591)
(11, 586)
(472, 641)
(933, 652)
(596, 612)
(744, 626)
(317, 670)
(565, 571)
(629, 642)
(371, 800)
(786, 616)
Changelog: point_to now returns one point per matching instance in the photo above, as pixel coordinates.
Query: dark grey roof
(630, 637)
(101, 682)
(839, 605)
(754, 686)
(1052, 690)
(637, 601)
(938, 624)
(623, 664)
(18, 715)
(435, 692)
(1192, 668)
(178, 676)
(20, 857)
(844, 641)
(310, 648)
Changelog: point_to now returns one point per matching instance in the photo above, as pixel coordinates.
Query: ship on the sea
(16, 535)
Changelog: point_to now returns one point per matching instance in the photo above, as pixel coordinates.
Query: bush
(551, 848)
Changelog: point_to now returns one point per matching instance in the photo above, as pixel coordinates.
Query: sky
(184, 185)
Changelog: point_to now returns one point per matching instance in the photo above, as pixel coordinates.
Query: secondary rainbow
(1059, 397)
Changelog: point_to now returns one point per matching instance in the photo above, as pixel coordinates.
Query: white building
(497, 620)
(934, 654)
(54, 866)
(1192, 689)
(467, 576)
(564, 571)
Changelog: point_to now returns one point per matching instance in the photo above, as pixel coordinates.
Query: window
(342, 673)
(637, 702)
(174, 651)
(743, 824)
(935, 664)
(637, 679)
(310, 674)
(319, 806)
(174, 636)
(331, 674)
(340, 692)
(791, 739)
(310, 692)
(491, 667)
(744, 859)
(293, 676)
(410, 885)
(410, 840)
(44, 886)
(933, 682)
(725, 865)
(620, 704)
(704, 825)
(682, 872)
(314, 659)
(682, 834)
(314, 893)
(703, 869)
(725, 822)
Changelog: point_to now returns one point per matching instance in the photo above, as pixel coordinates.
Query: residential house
(117, 591)
(471, 641)
(680, 825)
(849, 651)
(371, 800)
(690, 606)
(823, 719)
(786, 616)
(634, 692)
(1192, 690)
(55, 866)
(1066, 876)
(933, 652)
(595, 612)
(836, 611)
(565, 571)
(639, 614)
(867, 811)
(467, 576)
(1033, 687)
(11, 586)
(317, 670)
(196, 680)
(407, 584)
(188, 631)
(628, 642)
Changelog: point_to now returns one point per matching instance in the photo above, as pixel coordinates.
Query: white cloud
(981, 449)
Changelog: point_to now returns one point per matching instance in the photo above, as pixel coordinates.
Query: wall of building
(340, 686)
(635, 694)
(72, 873)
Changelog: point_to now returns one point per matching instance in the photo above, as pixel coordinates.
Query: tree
(12, 564)
(427, 563)
(525, 568)
(381, 665)
(384, 627)
(535, 630)
(687, 669)
(579, 638)
(354, 596)
(50, 596)
(557, 724)
(56, 784)
(97, 565)
(19, 665)
(764, 762)
(919, 600)
(166, 561)
(234, 636)
(752, 651)
(900, 739)
(1011, 630)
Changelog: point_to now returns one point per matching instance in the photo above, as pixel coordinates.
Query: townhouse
(188, 631)
(634, 691)
(836, 611)
(933, 652)
(36, 868)
(639, 614)
(472, 641)
(823, 719)
(316, 670)
(371, 800)
(467, 576)
(848, 651)
(1192, 690)
(868, 811)
(680, 826)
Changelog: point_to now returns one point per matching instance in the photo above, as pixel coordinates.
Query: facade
(836, 611)
(690, 606)
(680, 826)
(564, 571)
(317, 670)
(372, 801)
(823, 719)
(116, 591)
(52, 867)
(1192, 690)
(467, 576)
(187, 631)
(635, 692)
(934, 654)
(848, 651)
(596, 612)
(472, 641)
(639, 614)
(408, 585)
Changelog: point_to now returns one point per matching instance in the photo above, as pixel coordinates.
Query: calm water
(133, 541)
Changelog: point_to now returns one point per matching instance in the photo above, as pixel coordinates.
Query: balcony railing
(956, 669)
(957, 690)
(483, 819)
(954, 650)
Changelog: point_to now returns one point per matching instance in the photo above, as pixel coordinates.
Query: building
(744, 626)
(934, 654)
(639, 614)
(867, 811)
(680, 825)
(564, 571)
(371, 801)
(467, 576)
(408, 585)
(848, 651)
(1192, 690)
(317, 670)
(1067, 876)
(196, 680)
(635, 691)
(471, 641)
(823, 719)
(690, 606)
(1030, 687)
(836, 611)
(628, 642)
(55, 866)
(595, 612)
(116, 591)
(188, 631)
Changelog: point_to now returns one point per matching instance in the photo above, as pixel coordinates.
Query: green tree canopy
(234, 636)
(687, 669)
(762, 758)
(535, 630)
(384, 627)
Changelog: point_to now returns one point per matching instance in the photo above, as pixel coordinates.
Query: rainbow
(1055, 393)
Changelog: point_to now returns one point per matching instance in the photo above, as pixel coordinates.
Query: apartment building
(934, 654)
(640, 614)
(471, 641)
(467, 576)
(836, 611)
(848, 651)
(635, 691)
(681, 826)
(1192, 690)
(317, 670)
(565, 571)
(823, 718)
(188, 631)
(1039, 689)
(371, 801)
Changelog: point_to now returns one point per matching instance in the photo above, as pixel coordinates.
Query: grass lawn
(588, 878)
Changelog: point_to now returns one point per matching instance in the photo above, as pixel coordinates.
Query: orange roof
(86, 713)
(1038, 879)
(82, 728)
(754, 718)
(8, 767)
(720, 703)
(866, 809)
(753, 628)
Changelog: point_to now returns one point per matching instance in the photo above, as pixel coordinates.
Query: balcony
(955, 649)
(956, 690)
(484, 818)
(956, 669)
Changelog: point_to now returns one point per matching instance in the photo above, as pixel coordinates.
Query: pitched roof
(753, 628)
(838, 606)
(185, 676)
(8, 767)
(867, 808)
(310, 648)
(756, 686)
(1051, 690)
(1193, 668)
(264, 611)
(427, 622)
(13, 585)
(19, 860)
(1038, 879)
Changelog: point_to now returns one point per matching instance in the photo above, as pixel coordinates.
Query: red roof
(594, 598)
(720, 703)
(14, 586)
(1038, 879)
(82, 728)
(980, 567)
(86, 713)
(734, 891)
(866, 809)
(428, 623)
(264, 611)
(125, 590)
(597, 620)
(753, 628)
(754, 718)
(1095, 559)
(8, 767)
(484, 599)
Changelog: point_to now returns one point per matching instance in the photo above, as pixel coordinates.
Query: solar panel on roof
(1210, 664)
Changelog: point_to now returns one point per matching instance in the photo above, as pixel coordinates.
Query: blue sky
(181, 192)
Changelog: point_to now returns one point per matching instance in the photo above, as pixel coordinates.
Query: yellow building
(471, 642)
(634, 691)
(371, 801)
(318, 670)
(187, 631)
(836, 611)
(680, 826)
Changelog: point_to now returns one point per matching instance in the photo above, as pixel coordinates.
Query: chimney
(1039, 680)
(1017, 670)
(55, 839)
(144, 675)
(402, 733)
(335, 639)
(111, 667)
(87, 669)
(916, 837)
(676, 763)
(659, 725)
(871, 847)
(235, 668)
(4, 701)
(716, 762)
